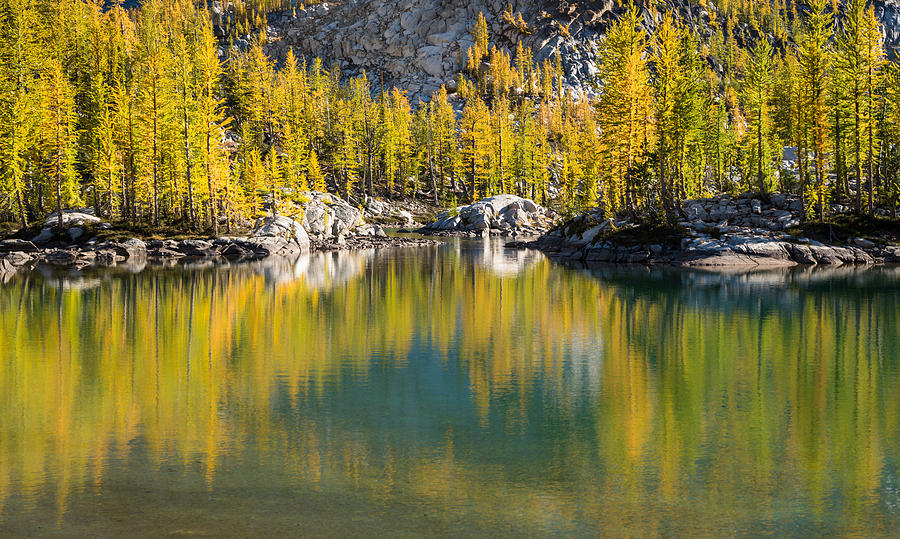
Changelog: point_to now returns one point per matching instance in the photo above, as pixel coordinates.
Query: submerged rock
(18, 258)
(60, 257)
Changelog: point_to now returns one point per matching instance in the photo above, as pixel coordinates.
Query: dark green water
(463, 390)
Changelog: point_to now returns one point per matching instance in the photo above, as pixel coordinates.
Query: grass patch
(7, 229)
(577, 225)
(119, 232)
(648, 234)
(843, 228)
(383, 220)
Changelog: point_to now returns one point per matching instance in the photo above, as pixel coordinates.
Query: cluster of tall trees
(151, 116)
(682, 118)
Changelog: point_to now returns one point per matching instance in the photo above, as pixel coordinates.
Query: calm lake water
(464, 390)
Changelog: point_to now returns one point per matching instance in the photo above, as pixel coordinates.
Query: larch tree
(58, 133)
(475, 135)
(623, 106)
(155, 106)
(20, 61)
(873, 61)
(314, 174)
(665, 53)
(757, 94)
(813, 58)
(184, 46)
(213, 121)
(851, 76)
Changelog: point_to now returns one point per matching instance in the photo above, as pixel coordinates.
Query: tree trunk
(869, 175)
(857, 163)
(23, 215)
(759, 155)
(189, 165)
(370, 182)
(59, 216)
(153, 206)
(209, 185)
(434, 190)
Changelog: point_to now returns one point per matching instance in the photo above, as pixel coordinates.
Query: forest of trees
(152, 116)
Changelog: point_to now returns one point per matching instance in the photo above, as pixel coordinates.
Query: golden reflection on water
(468, 386)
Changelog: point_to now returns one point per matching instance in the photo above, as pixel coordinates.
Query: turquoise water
(461, 390)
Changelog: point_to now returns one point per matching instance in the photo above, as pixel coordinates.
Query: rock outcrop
(417, 45)
(74, 217)
(719, 231)
(328, 223)
(278, 235)
(390, 212)
(500, 215)
(327, 217)
(74, 222)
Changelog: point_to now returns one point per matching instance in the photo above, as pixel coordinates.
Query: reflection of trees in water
(777, 289)
(652, 399)
(191, 359)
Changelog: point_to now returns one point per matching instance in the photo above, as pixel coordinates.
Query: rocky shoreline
(716, 232)
(22, 255)
(723, 231)
(323, 223)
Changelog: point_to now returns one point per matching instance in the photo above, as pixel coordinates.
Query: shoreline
(19, 256)
(725, 231)
(756, 253)
(745, 232)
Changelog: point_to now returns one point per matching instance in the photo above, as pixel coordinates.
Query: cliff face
(417, 45)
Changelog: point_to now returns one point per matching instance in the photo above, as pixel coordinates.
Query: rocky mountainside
(417, 45)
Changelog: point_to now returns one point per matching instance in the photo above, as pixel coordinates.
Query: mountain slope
(417, 45)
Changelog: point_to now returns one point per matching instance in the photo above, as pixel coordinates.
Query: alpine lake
(463, 389)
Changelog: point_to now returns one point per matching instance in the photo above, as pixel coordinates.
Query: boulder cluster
(718, 231)
(277, 237)
(390, 212)
(321, 221)
(325, 216)
(500, 215)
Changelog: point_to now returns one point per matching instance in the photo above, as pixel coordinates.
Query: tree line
(153, 116)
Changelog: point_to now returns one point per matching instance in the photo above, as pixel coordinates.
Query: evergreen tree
(872, 63)
(757, 92)
(623, 106)
(58, 133)
(812, 55)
